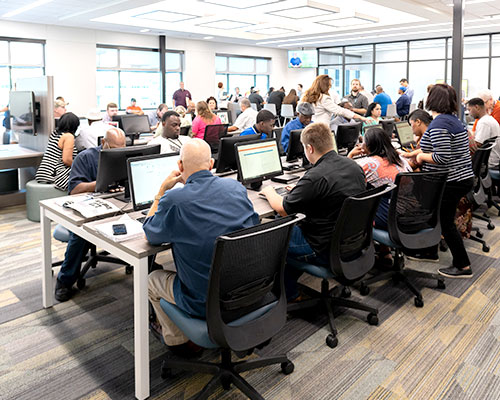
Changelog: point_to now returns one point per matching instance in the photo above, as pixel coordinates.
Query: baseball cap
(305, 109)
(265, 115)
(402, 88)
(94, 114)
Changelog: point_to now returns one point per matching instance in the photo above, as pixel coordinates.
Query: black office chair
(413, 223)
(212, 135)
(246, 305)
(389, 126)
(347, 136)
(185, 130)
(352, 255)
(277, 134)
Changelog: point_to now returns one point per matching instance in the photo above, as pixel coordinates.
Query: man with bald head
(82, 179)
(191, 218)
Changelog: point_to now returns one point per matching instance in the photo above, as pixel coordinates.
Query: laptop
(224, 117)
(405, 134)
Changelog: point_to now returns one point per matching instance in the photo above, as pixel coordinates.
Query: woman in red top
(205, 117)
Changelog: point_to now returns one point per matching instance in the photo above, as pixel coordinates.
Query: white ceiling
(271, 23)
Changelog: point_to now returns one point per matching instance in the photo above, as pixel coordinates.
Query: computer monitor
(135, 124)
(295, 149)
(234, 109)
(226, 160)
(112, 167)
(347, 136)
(378, 126)
(388, 125)
(224, 117)
(145, 176)
(118, 118)
(257, 161)
(405, 134)
(23, 110)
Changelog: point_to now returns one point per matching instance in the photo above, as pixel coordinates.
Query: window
(242, 72)
(422, 74)
(391, 52)
(19, 59)
(331, 55)
(388, 75)
(427, 49)
(334, 72)
(173, 73)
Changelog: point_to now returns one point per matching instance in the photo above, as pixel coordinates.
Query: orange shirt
(134, 108)
(496, 111)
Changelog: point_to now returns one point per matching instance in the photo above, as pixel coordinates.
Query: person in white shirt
(170, 140)
(487, 127)
(324, 106)
(111, 111)
(367, 94)
(87, 138)
(247, 117)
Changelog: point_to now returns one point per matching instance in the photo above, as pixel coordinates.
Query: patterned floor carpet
(83, 349)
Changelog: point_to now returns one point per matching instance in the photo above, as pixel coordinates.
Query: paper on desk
(88, 206)
(134, 229)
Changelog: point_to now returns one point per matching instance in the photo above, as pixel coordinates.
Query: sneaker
(63, 293)
(428, 257)
(454, 272)
(187, 350)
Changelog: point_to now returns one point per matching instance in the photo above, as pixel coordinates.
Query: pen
(405, 149)
(413, 148)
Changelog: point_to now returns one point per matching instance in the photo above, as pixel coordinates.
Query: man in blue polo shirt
(264, 125)
(191, 218)
(382, 98)
(82, 179)
(306, 111)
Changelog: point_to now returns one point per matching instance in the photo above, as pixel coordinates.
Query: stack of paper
(134, 229)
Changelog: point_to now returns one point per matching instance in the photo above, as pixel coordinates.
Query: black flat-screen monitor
(295, 149)
(226, 160)
(112, 167)
(22, 111)
(118, 118)
(347, 136)
(257, 161)
(388, 125)
(135, 124)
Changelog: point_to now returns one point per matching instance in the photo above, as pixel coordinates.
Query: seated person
(191, 218)
(205, 117)
(170, 140)
(306, 111)
(247, 117)
(154, 117)
(133, 108)
(82, 179)
(487, 127)
(58, 158)
(87, 137)
(373, 113)
(212, 103)
(256, 98)
(319, 194)
(339, 119)
(111, 111)
(264, 125)
(403, 103)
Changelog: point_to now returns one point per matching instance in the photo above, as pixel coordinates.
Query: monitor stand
(256, 186)
(125, 195)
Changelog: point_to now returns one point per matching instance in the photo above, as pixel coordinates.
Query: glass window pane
(243, 82)
(362, 72)
(474, 46)
(172, 84)
(139, 59)
(107, 58)
(26, 53)
(18, 73)
(495, 78)
(332, 55)
(4, 52)
(390, 52)
(220, 63)
(336, 74)
(427, 49)
(359, 54)
(173, 61)
(143, 86)
(475, 76)
(388, 75)
(4, 87)
(261, 66)
(106, 88)
(262, 82)
(495, 46)
(237, 64)
(422, 74)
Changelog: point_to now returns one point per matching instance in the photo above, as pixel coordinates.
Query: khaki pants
(161, 285)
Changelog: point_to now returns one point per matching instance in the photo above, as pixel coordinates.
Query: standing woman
(60, 153)
(373, 113)
(324, 107)
(445, 147)
(205, 117)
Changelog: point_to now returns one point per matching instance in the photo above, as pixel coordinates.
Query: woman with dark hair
(60, 153)
(373, 113)
(291, 98)
(212, 103)
(205, 117)
(445, 147)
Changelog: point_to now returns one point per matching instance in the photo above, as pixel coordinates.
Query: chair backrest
(287, 111)
(352, 253)
(271, 107)
(480, 168)
(254, 106)
(413, 218)
(413, 107)
(247, 274)
(212, 135)
(391, 110)
(185, 130)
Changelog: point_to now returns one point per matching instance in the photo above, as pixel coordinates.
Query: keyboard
(141, 219)
(282, 191)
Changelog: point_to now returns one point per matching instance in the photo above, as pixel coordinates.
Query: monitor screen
(133, 124)
(22, 111)
(224, 117)
(258, 161)
(226, 160)
(405, 133)
(145, 176)
(302, 59)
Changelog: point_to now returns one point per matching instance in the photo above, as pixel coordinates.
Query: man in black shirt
(319, 195)
(276, 97)
(256, 98)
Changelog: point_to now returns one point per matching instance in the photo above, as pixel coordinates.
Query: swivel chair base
(479, 238)
(226, 372)
(331, 299)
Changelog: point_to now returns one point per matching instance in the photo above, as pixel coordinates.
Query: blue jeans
(299, 249)
(75, 252)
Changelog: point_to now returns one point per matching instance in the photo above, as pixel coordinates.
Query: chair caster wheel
(287, 367)
(419, 302)
(490, 226)
(80, 283)
(441, 285)
(486, 248)
(129, 269)
(165, 373)
(225, 381)
(332, 341)
(372, 319)
(364, 290)
(346, 292)
(479, 235)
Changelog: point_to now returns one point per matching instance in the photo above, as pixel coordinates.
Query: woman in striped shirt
(60, 153)
(445, 147)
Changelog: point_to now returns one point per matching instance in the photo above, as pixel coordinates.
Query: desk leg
(141, 329)
(47, 287)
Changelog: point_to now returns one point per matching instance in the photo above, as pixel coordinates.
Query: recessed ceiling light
(208, 37)
(310, 10)
(26, 8)
(225, 24)
(352, 20)
(273, 31)
(241, 4)
(144, 30)
(165, 16)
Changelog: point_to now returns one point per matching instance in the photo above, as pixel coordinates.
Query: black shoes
(454, 272)
(63, 292)
(424, 256)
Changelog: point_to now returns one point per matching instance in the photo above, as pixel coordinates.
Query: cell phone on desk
(119, 229)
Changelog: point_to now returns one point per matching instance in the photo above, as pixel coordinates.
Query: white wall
(70, 57)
